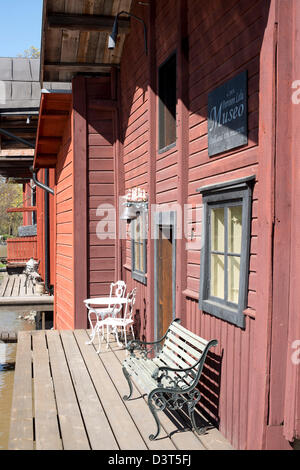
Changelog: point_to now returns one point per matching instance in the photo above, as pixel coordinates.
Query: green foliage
(31, 53)
(11, 195)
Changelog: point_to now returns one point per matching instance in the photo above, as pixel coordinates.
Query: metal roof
(20, 96)
(20, 89)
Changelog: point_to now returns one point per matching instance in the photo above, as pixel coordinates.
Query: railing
(20, 250)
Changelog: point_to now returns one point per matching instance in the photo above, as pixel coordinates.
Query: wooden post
(152, 89)
(183, 151)
(80, 202)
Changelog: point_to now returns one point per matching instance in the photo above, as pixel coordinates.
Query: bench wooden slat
(193, 339)
(142, 377)
(176, 359)
(159, 362)
(189, 358)
(191, 351)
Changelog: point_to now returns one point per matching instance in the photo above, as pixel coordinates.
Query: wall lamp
(113, 36)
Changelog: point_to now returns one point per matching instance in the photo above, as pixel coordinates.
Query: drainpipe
(41, 185)
(47, 250)
(48, 191)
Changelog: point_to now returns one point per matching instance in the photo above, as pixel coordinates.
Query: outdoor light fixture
(129, 212)
(28, 120)
(113, 36)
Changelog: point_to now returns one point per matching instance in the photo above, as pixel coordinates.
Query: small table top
(106, 301)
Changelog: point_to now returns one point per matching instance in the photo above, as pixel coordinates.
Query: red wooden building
(196, 105)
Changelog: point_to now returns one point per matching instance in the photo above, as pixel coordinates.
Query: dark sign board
(227, 115)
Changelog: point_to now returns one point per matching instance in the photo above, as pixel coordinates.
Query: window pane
(142, 268)
(137, 256)
(217, 229)
(235, 229)
(167, 102)
(233, 278)
(217, 276)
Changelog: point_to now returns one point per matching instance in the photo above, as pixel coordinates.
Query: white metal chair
(116, 323)
(117, 289)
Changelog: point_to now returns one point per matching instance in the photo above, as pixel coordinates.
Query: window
(139, 247)
(225, 249)
(167, 103)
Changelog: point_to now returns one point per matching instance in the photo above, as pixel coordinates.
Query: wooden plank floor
(66, 396)
(14, 290)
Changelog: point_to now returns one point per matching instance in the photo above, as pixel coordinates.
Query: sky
(20, 26)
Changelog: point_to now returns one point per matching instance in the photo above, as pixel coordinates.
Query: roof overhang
(54, 114)
(75, 38)
(16, 164)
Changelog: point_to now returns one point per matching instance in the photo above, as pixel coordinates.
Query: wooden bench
(169, 377)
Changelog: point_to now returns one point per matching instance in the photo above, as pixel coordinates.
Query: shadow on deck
(68, 397)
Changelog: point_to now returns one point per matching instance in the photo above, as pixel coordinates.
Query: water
(9, 321)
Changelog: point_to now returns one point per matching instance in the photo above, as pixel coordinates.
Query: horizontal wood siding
(101, 188)
(232, 33)
(64, 280)
(224, 39)
(134, 77)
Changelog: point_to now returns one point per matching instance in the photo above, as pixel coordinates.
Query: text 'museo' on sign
(227, 115)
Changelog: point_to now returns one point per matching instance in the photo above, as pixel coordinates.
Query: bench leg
(154, 413)
(127, 376)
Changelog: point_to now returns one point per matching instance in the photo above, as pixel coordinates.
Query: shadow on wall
(140, 327)
(210, 388)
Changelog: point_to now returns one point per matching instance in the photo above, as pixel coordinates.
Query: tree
(11, 195)
(31, 53)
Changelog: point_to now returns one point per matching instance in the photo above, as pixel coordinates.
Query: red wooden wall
(85, 179)
(101, 187)
(64, 233)
(224, 38)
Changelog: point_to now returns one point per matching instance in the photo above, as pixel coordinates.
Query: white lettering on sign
(221, 117)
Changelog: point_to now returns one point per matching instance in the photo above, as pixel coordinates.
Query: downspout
(47, 248)
(48, 191)
(41, 185)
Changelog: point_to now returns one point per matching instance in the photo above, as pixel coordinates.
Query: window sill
(168, 147)
(225, 313)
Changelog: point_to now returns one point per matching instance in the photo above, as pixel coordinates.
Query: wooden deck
(15, 291)
(68, 397)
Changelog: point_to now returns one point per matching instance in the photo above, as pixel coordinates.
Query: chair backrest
(118, 289)
(131, 296)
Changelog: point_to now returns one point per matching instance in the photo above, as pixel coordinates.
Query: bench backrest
(183, 349)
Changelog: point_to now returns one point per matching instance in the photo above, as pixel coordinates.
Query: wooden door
(164, 279)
